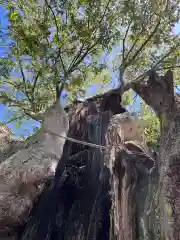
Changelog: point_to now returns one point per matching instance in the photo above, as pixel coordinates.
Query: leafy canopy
(55, 46)
(59, 45)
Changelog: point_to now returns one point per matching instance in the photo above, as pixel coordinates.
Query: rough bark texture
(23, 175)
(7, 147)
(130, 184)
(10, 145)
(102, 194)
(158, 92)
(96, 194)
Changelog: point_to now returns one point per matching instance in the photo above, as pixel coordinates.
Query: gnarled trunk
(158, 92)
(97, 193)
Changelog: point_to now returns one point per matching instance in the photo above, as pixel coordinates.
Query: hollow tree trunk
(83, 202)
(94, 193)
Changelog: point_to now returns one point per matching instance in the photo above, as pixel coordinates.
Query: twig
(177, 88)
(4, 67)
(132, 47)
(14, 119)
(101, 20)
(10, 100)
(104, 12)
(14, 85)
(88, 50)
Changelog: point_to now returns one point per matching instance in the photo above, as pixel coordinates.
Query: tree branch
(34, 86)
(36, 116)
(172, 49)
(82, 57)
(76, 57)
(137, 39)
(15, 119)
(14, 85)
(144, 44)
(156, 92)
(74, 64)
(124, 39)
(58, 90)
(24, 82)
(35, 82)
(167, 68)
(57, 33)
(156, 67)
(14, 103)
(132, 47)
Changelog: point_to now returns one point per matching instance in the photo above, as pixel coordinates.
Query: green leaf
(17, 125)
(76, 43)
(14, 15)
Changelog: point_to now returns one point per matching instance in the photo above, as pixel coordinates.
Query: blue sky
(28, 126)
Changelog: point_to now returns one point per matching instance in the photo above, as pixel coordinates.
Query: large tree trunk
(158, 92)
(97, 193)
(102, 194)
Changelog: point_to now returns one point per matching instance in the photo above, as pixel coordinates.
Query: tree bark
(158, 92)
(24, 174)
(95, 193)
(102, 195)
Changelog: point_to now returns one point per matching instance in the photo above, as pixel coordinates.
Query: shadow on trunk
(96, 194)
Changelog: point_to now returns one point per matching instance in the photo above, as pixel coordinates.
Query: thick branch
(157, 92)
